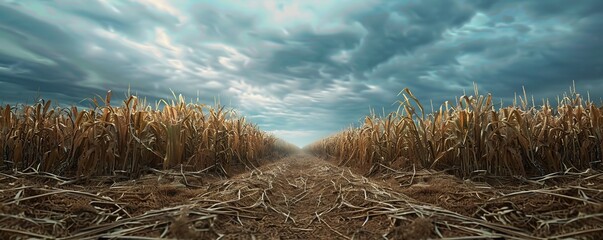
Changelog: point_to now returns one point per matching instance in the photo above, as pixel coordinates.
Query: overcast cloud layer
(301, 69)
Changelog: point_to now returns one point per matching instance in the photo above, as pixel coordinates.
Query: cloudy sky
(300, 69)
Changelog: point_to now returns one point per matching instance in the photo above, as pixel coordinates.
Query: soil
(302, 197)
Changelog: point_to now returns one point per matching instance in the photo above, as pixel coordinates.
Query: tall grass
(106, 139)
(473, 136)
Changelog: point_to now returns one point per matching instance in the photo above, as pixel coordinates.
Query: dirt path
(299, 197)
(303, 197)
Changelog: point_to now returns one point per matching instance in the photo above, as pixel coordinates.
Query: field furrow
(301, 197)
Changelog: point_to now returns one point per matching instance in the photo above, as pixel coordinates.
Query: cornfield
(126, 139)
(95, 173)
(473, 137)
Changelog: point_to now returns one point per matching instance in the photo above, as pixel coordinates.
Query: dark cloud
(403, 27)
(299, 70)
(309, 55)
(563, 10)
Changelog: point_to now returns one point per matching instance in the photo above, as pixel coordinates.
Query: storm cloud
(300, 69)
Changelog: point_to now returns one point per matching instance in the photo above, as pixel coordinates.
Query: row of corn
(472, 137)
(104, 139)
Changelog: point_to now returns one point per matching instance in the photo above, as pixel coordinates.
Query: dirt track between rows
(299, 197)
(304, 198)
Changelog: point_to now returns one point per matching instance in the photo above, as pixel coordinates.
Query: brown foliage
(129, 138)
(474, 137)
